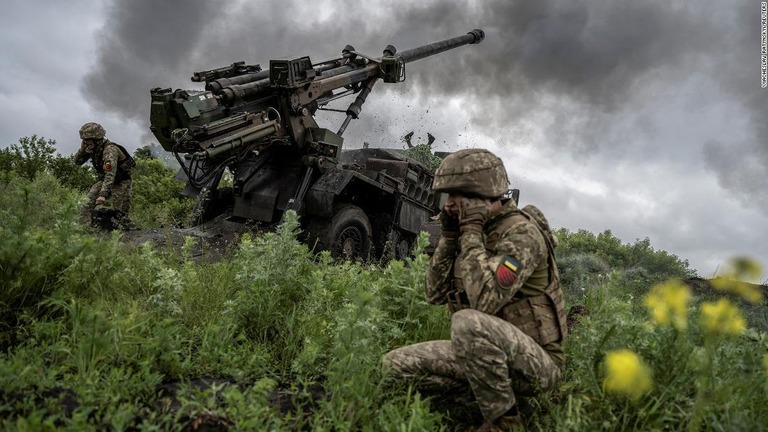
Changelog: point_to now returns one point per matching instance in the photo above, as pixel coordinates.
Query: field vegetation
(99, 334)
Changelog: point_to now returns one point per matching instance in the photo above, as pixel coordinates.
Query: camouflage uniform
(502, 285)
(114, 165)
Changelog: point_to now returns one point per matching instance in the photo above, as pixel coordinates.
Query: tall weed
(273, 276)
(39, 237)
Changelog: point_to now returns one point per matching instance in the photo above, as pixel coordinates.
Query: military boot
(512, 420)
(505, 423)
(123, 222)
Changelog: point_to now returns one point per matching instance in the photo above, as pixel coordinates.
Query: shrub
(423, 153)
(39, 237)
(35, 155)
(156, 199)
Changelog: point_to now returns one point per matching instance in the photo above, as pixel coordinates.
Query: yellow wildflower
(668, 303)
(747, 291)
(735, 279)
(746, 268)
(722, 317)
(626, 374)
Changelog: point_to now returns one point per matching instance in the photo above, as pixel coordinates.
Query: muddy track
(213, 240)
(298, 401)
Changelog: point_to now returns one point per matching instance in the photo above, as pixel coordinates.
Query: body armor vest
(124, 166)
(542, 317)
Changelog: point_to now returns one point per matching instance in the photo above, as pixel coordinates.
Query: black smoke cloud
(596, 55)
(593, 50)
(141, 44)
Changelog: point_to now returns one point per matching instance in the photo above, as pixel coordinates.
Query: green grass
(96, 334)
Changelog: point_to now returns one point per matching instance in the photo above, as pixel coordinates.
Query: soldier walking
(114, 165)
(495, 267)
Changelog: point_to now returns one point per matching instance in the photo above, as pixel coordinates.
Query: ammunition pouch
(539, 317)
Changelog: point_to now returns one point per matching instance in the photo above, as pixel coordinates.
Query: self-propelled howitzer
(260, 125)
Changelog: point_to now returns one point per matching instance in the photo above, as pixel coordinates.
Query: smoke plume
(582, 66)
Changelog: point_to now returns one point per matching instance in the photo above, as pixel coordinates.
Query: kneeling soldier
(495, 267)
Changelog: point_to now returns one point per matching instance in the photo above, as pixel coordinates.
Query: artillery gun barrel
(335, 74)
(392, 68)
(340, 77)
(474, 37)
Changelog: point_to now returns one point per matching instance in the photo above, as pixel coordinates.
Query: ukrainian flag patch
(506, 273)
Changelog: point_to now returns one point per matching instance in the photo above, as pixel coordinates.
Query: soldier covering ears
(494, 266)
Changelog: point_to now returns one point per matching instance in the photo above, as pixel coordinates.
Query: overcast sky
(644, 118)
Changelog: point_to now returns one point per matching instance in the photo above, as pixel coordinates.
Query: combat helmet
(92, 130)
(472, 172)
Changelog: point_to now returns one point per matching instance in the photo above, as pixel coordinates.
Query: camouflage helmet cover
(472, 171)
(92, 130)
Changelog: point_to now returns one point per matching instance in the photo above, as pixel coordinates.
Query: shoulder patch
(506, 273)
(107, 166)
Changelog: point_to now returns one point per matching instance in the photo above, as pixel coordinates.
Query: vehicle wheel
(347, 235)
(401, 244)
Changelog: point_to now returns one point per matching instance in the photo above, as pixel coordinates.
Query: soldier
(114, 164)
(494, 266)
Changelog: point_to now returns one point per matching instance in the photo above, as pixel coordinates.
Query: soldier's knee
(465, 331)
(386, 362)
(464, 322)
(392, 365)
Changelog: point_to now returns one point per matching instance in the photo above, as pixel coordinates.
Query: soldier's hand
(100, 200)
(448, 223)
(87, 146)
(473, 212)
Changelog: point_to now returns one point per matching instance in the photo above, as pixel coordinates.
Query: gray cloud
(141, 44)
(741, 162)
(594, 54)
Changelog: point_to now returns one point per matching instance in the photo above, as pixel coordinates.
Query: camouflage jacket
(111, 161)
(475, 264)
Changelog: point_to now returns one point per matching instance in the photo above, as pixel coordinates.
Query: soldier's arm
(111, 158)
(81, 156)
(440, 271)
(492, 280)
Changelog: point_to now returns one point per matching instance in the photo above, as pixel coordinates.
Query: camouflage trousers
(119, 199)
(493, 356)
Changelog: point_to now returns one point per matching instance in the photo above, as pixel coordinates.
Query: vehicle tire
(347, 235)
(401, 244)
